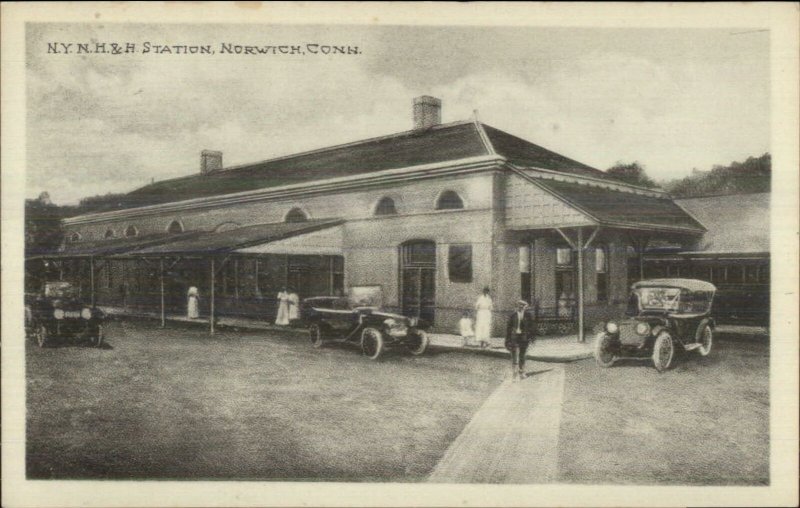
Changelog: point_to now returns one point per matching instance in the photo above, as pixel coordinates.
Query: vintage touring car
(664, 317)
(339, 319)
(58, 313)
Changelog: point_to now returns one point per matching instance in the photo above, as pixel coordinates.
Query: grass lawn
(177, 403)
(704, 422)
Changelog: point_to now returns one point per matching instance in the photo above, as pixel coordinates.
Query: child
(465, 327)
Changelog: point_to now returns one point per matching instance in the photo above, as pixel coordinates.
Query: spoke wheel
(706, 340)
(603, 350)
(372, 343)
(41, 336)
(663, 351)
(315, 334)
(418, 343)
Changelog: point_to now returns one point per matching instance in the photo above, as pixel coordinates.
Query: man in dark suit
(519, 334)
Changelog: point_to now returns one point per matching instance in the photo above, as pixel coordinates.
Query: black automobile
(664, 317)
(59, 313)
(338, 319)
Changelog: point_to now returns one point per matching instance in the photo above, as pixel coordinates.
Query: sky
(672, 99)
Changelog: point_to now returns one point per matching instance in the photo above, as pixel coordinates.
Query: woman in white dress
(294, 306)
(193, 297)
(483, 318)
(283, 308)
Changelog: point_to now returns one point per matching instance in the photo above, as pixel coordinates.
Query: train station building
(429, 216)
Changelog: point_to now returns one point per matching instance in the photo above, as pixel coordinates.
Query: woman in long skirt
(283, 308)
(294, 306)
(193, 297)
(483, 318)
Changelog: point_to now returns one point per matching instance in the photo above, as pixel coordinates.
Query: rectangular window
(459, 263)
(751, 274)
(566, 288)
(718, 275)
(735, 274)
(525, 283)
(763, 274)
(601, 268)
(563, 256)
(337, 275)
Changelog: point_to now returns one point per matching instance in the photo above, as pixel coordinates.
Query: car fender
(701, 326)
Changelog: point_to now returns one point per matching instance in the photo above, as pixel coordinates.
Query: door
(418, 279)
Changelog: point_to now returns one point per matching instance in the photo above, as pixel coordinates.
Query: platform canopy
(324, 242)
(225, 242)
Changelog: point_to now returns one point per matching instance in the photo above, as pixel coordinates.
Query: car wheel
(419, 343)
(99, 337)
(663, 351)
(42, 338)
(706, 340)
(372, 343)
(603, 350)
(315, 334)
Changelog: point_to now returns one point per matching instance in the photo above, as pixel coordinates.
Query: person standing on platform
(294, 306)
(519, 334)
(483, 318)
(283, 308)
(193, 303)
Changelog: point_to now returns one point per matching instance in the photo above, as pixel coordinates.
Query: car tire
(603, 350)
(99, 337)
(42, 339)
(315, 334)
(706, 341)
(663, 351)
(417, 349)
(371, 343)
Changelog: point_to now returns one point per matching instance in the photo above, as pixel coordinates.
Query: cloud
(110, 124)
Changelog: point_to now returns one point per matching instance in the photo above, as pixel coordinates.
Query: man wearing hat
(519, 333)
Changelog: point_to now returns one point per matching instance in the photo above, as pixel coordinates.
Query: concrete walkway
(513, 438)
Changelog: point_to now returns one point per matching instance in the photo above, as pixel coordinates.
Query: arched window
(175, 227)
(449, 200)
(226, 226)
(131, 231)
(385, 207)
(75, 237)
(296, 215)
(109, 233)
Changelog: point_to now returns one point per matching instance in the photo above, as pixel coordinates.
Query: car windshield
(59, 290)
(659, 298)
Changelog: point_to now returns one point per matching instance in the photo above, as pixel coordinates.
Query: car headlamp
(612, 327)
(58, 313)
(413, 321)
(642, 329)
(86, 313)
(391, 323)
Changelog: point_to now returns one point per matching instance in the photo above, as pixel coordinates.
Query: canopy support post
(580, 246)
(91, 277)
(211, 312)
(161, 277)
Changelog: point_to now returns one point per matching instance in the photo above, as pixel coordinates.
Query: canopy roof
(112, 246)
(737, 224)
(226, 241)
(624, 209)
(689, 284)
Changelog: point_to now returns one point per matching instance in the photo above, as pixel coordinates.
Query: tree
(752, 175)
(632, 173)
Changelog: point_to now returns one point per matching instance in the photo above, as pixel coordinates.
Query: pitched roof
(616, 208)
(524, 153)
(225, 241)
(737, 224)
(441, 143)
(114, 245)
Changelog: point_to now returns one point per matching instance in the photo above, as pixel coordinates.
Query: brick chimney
(209, 161)
(427, 112)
